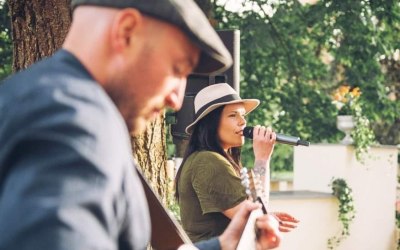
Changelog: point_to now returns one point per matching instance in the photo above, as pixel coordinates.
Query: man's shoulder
(63, 107)
(59, 79)
(55, 94)
(60, 72)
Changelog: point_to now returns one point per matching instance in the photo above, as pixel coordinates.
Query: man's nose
(175, 98)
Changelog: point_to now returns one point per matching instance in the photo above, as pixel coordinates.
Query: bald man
(67, 178)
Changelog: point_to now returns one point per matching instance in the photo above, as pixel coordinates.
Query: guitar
(166, 232)
(254, 190)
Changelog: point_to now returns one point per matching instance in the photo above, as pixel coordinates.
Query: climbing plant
(347, 212)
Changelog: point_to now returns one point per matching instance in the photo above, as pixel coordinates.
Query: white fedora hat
(214, 96)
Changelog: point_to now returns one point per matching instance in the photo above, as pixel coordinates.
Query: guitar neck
(254, 189)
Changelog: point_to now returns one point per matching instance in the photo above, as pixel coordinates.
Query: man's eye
(179, 71)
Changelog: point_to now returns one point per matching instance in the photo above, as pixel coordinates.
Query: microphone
(285, 139)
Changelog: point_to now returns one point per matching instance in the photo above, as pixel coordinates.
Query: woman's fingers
(284, 227)
(263, 142)
(285, 217)
(264, 133)
(286, 222)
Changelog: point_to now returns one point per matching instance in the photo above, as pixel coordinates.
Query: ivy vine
(343, 193)
(362, 134)
(398, 227)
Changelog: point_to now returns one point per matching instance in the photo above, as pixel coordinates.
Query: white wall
(374, 192)
(318, 220)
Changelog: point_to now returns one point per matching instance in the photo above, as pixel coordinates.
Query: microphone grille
(248, 132)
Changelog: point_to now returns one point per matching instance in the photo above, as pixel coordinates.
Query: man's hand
(269, 235)
(269, 232)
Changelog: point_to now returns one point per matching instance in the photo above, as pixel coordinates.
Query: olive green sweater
(208, 185)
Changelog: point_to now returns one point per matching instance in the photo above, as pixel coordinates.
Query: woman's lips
(239, 132)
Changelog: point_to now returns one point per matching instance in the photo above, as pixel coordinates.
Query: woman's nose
(242, 120)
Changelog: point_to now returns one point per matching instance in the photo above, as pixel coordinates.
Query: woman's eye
(237, 115)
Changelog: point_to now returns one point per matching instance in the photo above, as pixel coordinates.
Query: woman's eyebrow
(236, 112)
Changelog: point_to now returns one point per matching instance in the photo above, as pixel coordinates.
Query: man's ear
(126, 24)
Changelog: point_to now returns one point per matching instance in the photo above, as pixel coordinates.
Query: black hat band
(226, 98)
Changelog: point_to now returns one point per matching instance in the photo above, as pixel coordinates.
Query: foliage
(343, 193)
(362, 134)
(347, 101)
(397, 213)
(292, 56)
(173, 207)
(5, 41)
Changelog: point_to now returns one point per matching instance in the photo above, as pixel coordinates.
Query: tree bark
(149, 150)
(39, 28)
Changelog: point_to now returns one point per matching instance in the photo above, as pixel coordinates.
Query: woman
(208, 184)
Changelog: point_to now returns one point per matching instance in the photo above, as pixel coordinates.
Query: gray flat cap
(187, 16)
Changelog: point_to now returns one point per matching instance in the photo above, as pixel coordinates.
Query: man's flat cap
(187, 16)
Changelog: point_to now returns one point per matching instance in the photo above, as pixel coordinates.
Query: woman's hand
(263, 142)
(286, 221)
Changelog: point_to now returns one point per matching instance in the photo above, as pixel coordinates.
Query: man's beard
(127, 111)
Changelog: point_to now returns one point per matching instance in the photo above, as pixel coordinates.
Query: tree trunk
(39, 28)
(149, 150)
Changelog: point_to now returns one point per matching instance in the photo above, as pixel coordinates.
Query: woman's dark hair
(204, 137)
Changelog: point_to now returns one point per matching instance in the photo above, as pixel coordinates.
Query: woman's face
(232, 122)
